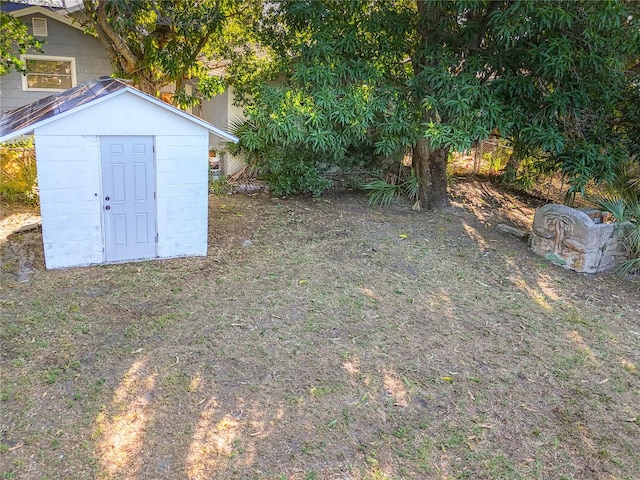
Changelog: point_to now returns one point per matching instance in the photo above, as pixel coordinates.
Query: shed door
(128, 189)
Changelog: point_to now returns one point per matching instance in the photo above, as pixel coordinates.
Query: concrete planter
(576, 239)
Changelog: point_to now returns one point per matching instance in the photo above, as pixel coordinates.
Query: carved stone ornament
(576, 239)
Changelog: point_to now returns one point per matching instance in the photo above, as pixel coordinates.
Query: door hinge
(156, 237)
(154, 195)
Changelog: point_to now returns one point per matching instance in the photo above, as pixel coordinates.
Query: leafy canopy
(388, 74)
(158, 42)
(14, 41)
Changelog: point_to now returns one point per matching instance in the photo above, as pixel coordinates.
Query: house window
(48, 73)
(39, 27)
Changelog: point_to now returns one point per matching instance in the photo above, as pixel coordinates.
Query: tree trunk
(123, 60)
(431, 169)
(430, 164)
(511, 169)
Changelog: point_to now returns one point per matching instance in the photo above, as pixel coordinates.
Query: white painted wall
(124, 114)
(70, 182)
(182, 194)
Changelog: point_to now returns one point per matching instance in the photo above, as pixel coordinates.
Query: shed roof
(25, 119)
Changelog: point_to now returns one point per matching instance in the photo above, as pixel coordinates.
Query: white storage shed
(122, 175)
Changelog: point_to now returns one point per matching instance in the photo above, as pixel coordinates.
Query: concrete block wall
(69, 181)
(182, 195)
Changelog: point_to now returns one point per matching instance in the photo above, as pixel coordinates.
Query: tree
(158, 42)
(14, 40)
(441, 75)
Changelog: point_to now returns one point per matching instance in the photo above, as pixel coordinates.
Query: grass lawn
(322, 339)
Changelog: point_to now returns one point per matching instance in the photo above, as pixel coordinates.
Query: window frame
(25, 83)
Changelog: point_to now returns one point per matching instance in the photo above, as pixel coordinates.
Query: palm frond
(625, 209)
(237, 125)
(630, 266)
(411, 187)
(615, 206)
(380, 192)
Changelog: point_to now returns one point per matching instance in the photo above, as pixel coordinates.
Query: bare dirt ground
(322, 339)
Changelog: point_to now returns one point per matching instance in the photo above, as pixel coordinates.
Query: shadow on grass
(340, 342)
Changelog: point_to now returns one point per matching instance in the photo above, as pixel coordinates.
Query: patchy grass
(322, 339)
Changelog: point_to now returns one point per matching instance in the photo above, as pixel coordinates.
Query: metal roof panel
(23, 120)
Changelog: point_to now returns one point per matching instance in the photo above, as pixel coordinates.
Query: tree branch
(126, 59)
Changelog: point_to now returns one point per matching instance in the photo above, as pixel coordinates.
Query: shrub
(18, 181)
(622, 200)
(289, 172)
(382, 192)
(288, 169)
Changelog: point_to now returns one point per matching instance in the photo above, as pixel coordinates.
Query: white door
(128, 202)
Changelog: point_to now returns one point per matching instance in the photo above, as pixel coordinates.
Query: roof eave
(30, 128)
(35, 9)
(213, 129)
(15, 134)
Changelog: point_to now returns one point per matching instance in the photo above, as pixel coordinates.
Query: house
(122, 175)
(220, 111)
(70, 57)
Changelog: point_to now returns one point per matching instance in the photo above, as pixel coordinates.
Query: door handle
(108, 207)
(107, 198)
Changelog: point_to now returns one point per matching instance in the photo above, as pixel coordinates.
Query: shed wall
(122, 114)
(70, 181)
(182, 194)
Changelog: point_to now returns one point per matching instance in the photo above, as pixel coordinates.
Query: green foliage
(18, 181)
(494, 155)
(288, 169)
(158, 42)
(529, 166)
(622, 200)
(411, 187)
(381, 192)
(219, 185)
(291, 171)
(550, 76)
(14, 40)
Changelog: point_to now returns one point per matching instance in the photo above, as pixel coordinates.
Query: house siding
(221, 112)
(216, 112)
(233, 111)
(70, 181)
(62, 41)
